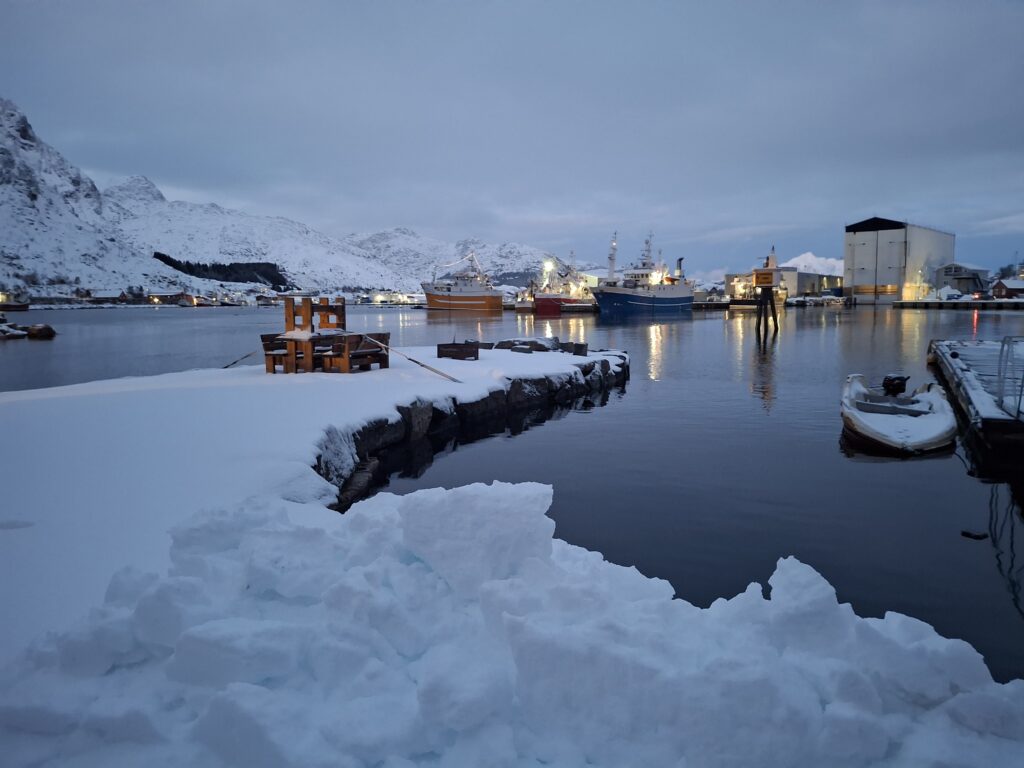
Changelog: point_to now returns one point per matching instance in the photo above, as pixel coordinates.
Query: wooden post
(765, 300)
(289, 314)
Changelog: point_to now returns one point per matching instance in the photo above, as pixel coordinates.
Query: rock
(417, 418)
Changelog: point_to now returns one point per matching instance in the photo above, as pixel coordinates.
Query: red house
(1007, 288)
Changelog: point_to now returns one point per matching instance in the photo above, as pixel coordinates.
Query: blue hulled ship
(645, 287)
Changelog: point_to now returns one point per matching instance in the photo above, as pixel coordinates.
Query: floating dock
(985, 379)
(1001, 304)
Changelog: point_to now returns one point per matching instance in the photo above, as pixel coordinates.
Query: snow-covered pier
(985, 379)
(383, 441)
(95, 474)
(205, 606)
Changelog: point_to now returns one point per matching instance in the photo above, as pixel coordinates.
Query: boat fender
(954, 354)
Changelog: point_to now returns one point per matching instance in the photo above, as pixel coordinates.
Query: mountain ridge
(60, 235)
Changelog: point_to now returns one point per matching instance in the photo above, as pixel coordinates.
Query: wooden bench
(460, 350)
(275, 353)
(358, 350)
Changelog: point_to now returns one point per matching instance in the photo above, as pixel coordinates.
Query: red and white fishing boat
(562, 285)
(470, 289)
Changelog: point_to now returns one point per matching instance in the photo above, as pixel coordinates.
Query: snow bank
(447, 628)
(98, 472)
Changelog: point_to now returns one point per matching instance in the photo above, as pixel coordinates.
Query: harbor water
(722, 454)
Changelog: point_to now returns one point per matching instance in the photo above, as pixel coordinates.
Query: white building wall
(885, 266)
(927, 250)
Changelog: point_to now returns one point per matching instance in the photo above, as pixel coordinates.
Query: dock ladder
(1010, 377)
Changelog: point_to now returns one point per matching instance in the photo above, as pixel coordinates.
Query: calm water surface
(718, 458)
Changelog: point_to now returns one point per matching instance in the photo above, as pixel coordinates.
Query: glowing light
(548, 266)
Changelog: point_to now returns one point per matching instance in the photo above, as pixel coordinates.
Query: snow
(447, 628)
(443, 628)
(818, 265)
(101, 471)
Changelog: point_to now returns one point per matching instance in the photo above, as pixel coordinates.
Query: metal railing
(1010, 377)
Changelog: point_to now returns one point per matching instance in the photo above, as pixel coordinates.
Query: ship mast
(611, 255)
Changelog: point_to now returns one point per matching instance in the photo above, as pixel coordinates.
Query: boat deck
(985, 378)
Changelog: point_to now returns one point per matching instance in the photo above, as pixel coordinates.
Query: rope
(241, 358)
(382, 345)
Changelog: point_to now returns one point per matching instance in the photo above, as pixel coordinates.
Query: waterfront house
(167, 297)
(107, 297)
(1008, 288)
(965, 278)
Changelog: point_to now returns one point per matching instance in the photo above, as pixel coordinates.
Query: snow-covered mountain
(59, 234)
(819, 265)
(52, 229)
(407, 252)
(212, 234)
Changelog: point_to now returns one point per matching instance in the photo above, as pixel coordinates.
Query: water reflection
(1005, 525)
(762, 369)
(410, 459)
(655, 352)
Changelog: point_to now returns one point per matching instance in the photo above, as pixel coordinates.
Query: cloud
(737, 126)
(1012, 224)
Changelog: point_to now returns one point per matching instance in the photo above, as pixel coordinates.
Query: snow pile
(818, 265)
(447, 628)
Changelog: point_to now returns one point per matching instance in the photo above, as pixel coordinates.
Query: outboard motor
(894, 385)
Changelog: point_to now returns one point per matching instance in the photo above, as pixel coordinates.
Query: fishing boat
(644, 287)
(13, 302)
(561, 285)
(922, 422)
(469, 289)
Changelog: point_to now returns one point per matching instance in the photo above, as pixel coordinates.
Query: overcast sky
(723, 127)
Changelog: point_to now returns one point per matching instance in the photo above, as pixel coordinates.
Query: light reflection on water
(722, 455)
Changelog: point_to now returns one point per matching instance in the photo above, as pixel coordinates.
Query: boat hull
(476, 302)
(14, 306)
(553, 303)
(626, 302)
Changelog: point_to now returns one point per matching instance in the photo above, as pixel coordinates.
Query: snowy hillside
(210, 233)
(59, 235)
(53, 236)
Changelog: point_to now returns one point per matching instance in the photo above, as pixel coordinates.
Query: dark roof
(875, 224)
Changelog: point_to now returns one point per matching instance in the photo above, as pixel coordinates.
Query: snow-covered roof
(1013, 284)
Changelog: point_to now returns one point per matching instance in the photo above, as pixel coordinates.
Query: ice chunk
(238, 650)
(473, 534)
(168, 609)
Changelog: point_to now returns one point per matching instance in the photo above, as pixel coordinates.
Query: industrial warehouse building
(886, 260)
